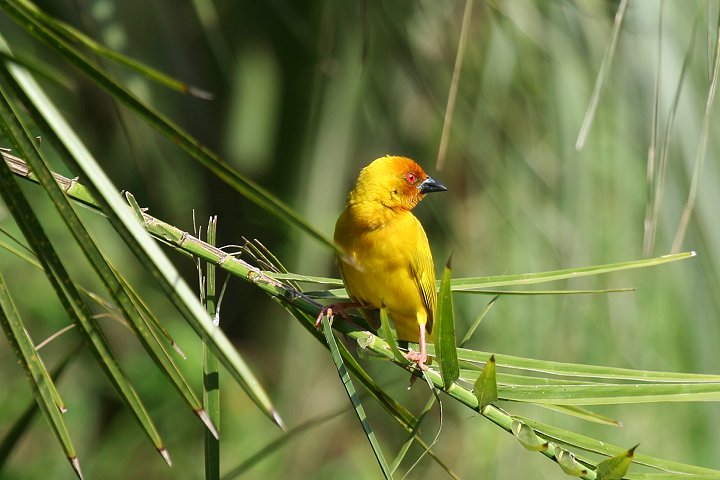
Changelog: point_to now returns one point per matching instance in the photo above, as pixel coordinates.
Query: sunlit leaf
(350, 389)
(105, 197)
(390, 336)
(616, 467)
(527, 437)
(569, 464)
(211, 372)
(445, 346)
(41, 382)
(486, 385)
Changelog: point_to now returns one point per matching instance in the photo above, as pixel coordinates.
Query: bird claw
(418, 358)
(331, 310)
(325, 311)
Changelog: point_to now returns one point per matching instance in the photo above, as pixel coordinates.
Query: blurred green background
(305, 94)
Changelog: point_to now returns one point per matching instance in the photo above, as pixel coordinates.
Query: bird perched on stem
(387, 260)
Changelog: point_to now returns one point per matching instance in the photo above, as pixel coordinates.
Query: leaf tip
(278, 420)
(179, 350)
(208, 423)
(75, 463)
(199, 93)
(166, 456)
(448, 264)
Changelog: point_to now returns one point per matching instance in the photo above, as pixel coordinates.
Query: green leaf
(274, 446)
(486, 389)
(584, 414)
(46, 395)
(603, 394)
(546, 292)
(146, 335)
(72, 34)
(569, 464)
(65, 289)
(602, 76)
(481, 285)
(306, 310)
(34, 22)
(445, 346)
(395, 409)
(23, 422)
(350, 389)
(211, 373)
(104, 196)
(390, 336)
(581, 442)
(527, 437)
(615, 468)
(478, 319)
(474, 283)
(402, 452)
(585, 371)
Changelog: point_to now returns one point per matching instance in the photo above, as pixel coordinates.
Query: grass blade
(611, 394)
(367, 340)
(445, 346)
(30, 19)
(21, 425)
(657, 186)
(350, 389)
(486, 389)
(306, 309)
(478, 319)
(41, 382)
(588, 371)
(23, 143)
(273, 446)
(211, 373)
(472, 283)
(602, 76)
(412, 436)
(390, 337)
(452, 93)
(73, 35)
(584, 414)
(68, 294)
(569, 464)
(616, 467)
(528, 438)
(559, 435)
(104, 196)
(701, 150)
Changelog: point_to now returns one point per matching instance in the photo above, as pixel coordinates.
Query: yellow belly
(379, 273)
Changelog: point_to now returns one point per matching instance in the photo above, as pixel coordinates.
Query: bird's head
(395, 182)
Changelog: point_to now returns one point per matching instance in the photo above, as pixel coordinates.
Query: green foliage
(446, 349)
(616, 467)
(485, 387)
(301, 106)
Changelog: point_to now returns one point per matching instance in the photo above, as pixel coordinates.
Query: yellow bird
(388, 262)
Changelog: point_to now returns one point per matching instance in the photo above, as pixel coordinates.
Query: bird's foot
(339, 308)
(418, 358)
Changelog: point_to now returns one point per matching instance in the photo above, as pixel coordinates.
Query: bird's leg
(340, 308)
(419, 358)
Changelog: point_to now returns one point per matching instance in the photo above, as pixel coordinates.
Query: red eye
(411, 178)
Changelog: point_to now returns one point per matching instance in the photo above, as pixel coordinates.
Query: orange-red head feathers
(395, 182)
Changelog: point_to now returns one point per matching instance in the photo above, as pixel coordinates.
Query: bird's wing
(424, 273)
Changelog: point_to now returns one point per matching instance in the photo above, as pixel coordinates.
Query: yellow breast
(389, 264)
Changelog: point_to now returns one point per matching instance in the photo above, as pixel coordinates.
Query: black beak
(431, 185)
